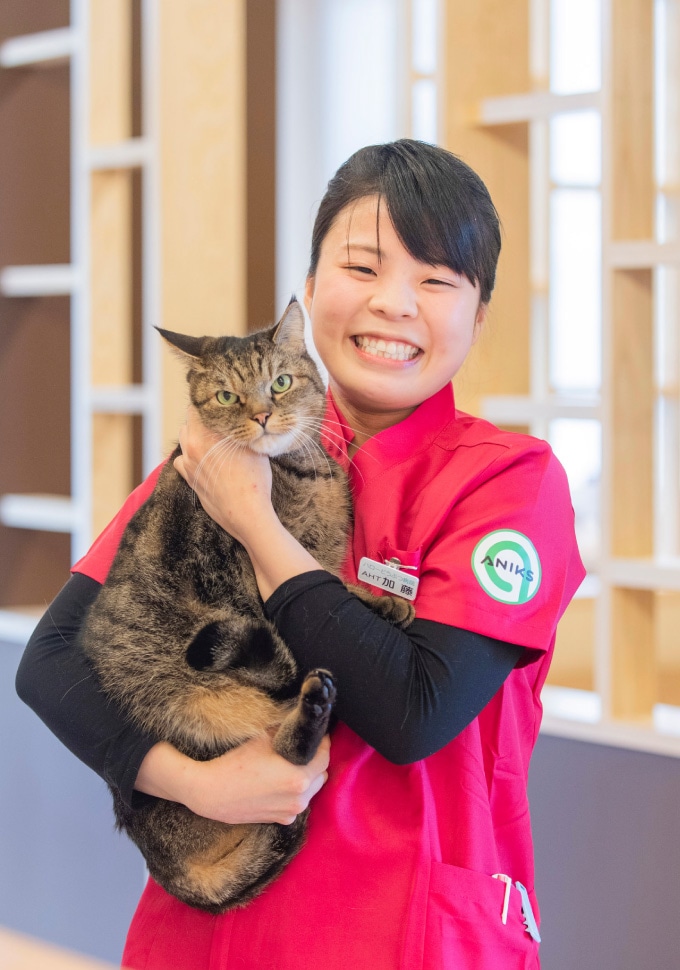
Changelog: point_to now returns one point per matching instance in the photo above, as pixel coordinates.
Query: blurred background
(160, 164)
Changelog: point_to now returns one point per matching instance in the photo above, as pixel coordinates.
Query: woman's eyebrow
(363, 247)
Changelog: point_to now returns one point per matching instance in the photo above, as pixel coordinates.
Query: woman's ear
(309, 293)
(479, 321)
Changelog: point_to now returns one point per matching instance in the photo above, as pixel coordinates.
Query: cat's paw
(400, 612)
(318, 693)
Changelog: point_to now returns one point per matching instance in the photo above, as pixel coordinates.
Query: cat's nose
(261, 418)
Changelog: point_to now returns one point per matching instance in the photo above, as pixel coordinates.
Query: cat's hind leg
(300, 734)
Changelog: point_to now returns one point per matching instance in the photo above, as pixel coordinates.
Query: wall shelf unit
(616, 675)
(111, 281)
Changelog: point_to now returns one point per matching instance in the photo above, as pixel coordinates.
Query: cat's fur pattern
(178, 636)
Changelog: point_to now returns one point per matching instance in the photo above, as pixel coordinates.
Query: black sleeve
(406, 693)
(55, 679)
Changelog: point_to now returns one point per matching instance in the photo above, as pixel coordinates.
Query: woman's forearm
(276, 556)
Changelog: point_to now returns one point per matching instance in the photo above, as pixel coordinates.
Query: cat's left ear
(291, 327)
(188, 349)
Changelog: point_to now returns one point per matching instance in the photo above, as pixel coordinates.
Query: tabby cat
(178, 637)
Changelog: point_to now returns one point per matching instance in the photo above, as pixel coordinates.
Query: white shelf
(649, 574)
(133, 153)
(642, 254)
(46, 513)
(47, 47)
(113, 399)
(523, 409)
(54, 279)
(536, 106)
(633, 737)
(16, 625)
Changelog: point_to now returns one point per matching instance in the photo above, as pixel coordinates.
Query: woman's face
(391, 331)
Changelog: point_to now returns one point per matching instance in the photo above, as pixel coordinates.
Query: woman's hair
(440, 209)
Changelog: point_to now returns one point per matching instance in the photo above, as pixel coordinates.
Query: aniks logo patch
(507, 566)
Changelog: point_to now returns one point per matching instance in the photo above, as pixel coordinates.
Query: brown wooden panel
(632, 119)
(634, 668)
(29, 16)
(34, 395)
(34, 166)
(632, 414)
(573, 661)
(203, 156)
(261, 162)
(487, 55)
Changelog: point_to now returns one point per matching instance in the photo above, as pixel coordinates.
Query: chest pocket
(406, 559)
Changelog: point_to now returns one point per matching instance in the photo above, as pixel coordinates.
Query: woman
(419, 847)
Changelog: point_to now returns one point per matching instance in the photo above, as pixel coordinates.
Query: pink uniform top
(397, 870)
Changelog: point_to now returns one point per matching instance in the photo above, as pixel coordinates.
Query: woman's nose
(394, 298)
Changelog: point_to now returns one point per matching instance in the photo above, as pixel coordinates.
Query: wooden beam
(111, 252)
(487, 56)
(203, 160)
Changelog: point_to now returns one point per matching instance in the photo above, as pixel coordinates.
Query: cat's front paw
(318, 693)
(400, 612)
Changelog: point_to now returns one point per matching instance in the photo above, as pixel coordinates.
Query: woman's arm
(248, 784)
(405, 693)
(55, 679)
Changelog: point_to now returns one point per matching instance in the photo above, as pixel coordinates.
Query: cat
(177, 635)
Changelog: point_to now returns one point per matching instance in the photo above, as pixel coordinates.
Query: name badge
(387, 577)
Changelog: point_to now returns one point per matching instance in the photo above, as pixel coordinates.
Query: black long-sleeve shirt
(406, 693)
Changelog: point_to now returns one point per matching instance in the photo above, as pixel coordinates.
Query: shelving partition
(114, 367)
(616, 676)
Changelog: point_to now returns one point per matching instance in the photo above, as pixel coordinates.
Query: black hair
(440, 208)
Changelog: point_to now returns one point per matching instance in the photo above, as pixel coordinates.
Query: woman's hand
(250, 783)
(234, 488)
(232, 484)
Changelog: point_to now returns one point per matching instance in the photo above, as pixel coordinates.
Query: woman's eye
(282, 383)
(364, 270)
(227, 398)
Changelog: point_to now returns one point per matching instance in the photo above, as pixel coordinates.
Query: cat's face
(262, 392)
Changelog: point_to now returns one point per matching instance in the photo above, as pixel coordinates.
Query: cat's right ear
(291, 327)
(183, 345)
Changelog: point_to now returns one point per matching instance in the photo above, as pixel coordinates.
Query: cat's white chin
(272, 444)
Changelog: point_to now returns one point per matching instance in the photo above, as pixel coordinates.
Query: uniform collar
(393, 445)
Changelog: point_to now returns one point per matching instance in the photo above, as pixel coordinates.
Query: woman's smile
(386, 348)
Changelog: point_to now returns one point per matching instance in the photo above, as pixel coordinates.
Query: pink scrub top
(397, 871)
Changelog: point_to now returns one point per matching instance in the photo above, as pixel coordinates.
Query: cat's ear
(184, 345)
(290, 329)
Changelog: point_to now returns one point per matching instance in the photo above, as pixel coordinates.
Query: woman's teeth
(390, 349)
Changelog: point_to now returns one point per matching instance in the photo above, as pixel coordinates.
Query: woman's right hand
(250, 783)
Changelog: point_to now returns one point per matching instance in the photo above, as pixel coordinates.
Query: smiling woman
(422, 820)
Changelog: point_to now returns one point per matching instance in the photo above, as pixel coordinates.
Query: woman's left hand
(232, 484)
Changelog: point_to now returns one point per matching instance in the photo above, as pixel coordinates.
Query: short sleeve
(97, 560)
(505, 562)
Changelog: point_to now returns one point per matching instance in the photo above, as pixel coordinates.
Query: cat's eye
(282, 383)
(227, 398)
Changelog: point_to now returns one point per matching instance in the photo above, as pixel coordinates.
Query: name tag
(392, 580)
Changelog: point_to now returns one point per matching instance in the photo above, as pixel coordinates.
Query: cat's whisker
(306, 441)
(211, 465)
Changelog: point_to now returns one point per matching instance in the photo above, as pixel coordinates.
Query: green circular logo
(507, 567)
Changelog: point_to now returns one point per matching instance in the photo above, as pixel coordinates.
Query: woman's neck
(365, 424)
